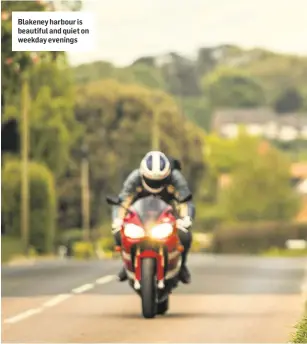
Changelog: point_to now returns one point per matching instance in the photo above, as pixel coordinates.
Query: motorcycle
(151, 251)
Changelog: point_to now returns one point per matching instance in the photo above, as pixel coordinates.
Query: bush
(196, 246)
(10, 247)
(106, 244)
(42, 204)
(280, 252)
(256, 238)
(68, 238)
(83, 250)
(301, 333)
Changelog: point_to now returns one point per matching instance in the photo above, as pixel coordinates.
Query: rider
(156, 176)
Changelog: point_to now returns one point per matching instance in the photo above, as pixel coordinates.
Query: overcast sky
(128, 29)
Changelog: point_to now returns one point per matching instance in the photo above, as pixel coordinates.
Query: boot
(184, 273)
(122, 275)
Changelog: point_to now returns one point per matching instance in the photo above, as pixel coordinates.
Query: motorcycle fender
(149, 254)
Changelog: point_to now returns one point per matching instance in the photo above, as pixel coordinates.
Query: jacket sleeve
(127, 193)
(182, 190)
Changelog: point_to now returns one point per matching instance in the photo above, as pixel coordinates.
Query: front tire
(148, 288)
(162, 307)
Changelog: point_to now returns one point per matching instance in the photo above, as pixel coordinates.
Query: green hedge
(10, 247)
(257, 237)
(42, 204)
(300, 335)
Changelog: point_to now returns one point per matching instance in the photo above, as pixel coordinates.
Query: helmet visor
(155, 184)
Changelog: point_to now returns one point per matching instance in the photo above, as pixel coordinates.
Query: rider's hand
(184, 224)
(117, 225)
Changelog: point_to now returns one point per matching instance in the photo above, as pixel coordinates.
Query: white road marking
(106, 279)
(83, 288)
(59, 298)
(22, 315)
(54, 301)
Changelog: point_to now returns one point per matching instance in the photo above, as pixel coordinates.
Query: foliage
(221, 153)
(208, 217)
(42, 204)
(288, 101)
(230, 87)
(117, 122)
(13, 62)
(279, 252)
(256, 193)
(10, 247)
(300, 336)
(111, 110)
(83, 250)
(106, 244)
(141, 74)
(148, 76)
(197, 110)
(53, 128)
(246, 77)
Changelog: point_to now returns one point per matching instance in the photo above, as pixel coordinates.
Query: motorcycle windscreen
(149, 208)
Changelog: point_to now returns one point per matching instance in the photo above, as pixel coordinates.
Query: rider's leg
(122, 275)
(186, 240)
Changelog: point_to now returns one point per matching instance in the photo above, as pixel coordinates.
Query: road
(232, 299)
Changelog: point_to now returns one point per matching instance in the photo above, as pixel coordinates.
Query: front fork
(160, 264)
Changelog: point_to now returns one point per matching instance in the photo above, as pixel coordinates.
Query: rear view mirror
(113, 200)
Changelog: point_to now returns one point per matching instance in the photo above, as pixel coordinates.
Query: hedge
(256, 237)
(300, 336)
(10, 247)
(42, 204)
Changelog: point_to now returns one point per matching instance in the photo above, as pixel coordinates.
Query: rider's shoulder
(135, 174)
(176, 175)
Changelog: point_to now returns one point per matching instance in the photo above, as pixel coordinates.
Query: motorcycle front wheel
(148, 288)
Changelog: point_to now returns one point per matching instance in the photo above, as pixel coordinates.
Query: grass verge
(280, 252)
(300, 336)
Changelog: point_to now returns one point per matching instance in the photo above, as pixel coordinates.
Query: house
(261, 122)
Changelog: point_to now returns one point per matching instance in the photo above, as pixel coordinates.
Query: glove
(117, 225)
(184, 224)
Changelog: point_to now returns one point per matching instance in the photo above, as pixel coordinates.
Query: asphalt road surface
(232, 299)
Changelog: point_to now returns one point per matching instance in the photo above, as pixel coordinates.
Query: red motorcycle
(151, 251)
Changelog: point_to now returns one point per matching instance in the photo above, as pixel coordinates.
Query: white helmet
(155, 170)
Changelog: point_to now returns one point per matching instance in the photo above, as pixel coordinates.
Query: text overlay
(53, 31)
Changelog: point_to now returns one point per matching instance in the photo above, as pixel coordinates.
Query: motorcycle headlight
(133, 231)
(161, 231)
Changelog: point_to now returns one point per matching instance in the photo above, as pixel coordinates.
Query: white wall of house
(269, 130)
(302, 187)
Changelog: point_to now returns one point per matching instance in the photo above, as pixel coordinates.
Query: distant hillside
(183, 77)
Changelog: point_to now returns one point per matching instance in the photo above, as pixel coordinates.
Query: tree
(13, 63)
(229, 87)
(117, 122)
(42, 204)
(53, 128)
(289, 100)
(148, 76)
(180, 75)
(88, 72)
(197, 110)
(260, 189)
